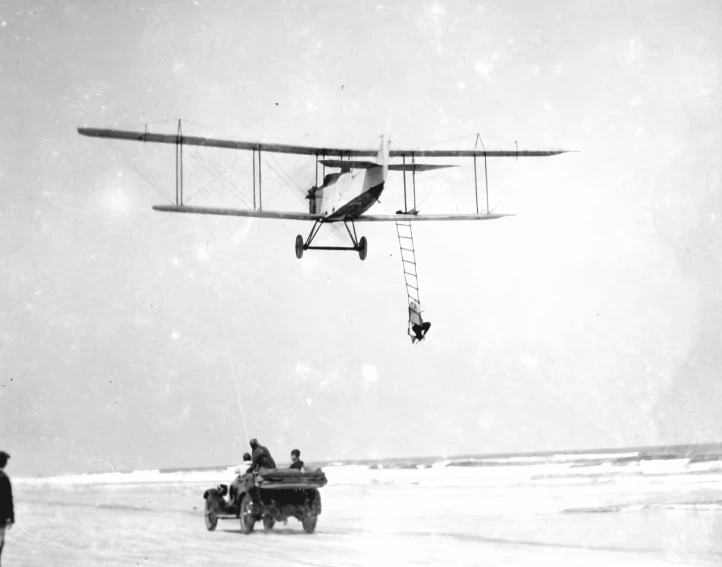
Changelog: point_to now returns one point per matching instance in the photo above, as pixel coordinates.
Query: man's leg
(417, 331)
(2, 541)
(425, 327)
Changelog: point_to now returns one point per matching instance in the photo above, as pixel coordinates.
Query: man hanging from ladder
(418, 326)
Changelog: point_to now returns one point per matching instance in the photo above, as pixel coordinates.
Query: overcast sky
(132, 339)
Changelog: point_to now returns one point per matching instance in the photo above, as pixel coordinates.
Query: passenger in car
(296, 462)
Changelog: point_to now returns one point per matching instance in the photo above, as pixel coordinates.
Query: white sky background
(591, 319)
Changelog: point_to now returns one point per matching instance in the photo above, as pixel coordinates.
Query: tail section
(376, 175)
(383, 155)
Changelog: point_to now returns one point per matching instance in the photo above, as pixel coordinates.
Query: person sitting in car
(236, 485)
(296, 462)
(261, 458)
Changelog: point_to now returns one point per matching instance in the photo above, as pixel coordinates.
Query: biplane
(342, 197)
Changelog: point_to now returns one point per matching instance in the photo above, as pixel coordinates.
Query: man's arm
(6, 500)
(254, 461)
(12, 507)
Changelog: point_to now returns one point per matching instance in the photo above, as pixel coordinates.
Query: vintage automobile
(270, 495)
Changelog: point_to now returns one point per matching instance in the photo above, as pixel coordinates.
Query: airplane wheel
(363, 248)
(299, 247)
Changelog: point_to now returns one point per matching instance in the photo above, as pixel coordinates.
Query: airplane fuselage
(350, 194)
(358, 205)
(354, 190)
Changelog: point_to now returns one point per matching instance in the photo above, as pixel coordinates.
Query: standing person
(296, 462)
(261, 457)
(7, 511)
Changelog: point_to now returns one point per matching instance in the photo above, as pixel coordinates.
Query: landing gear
(359, 245)
(363, 248)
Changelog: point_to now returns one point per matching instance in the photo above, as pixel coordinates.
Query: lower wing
(312, 217)
(412, 218)
(238, 212)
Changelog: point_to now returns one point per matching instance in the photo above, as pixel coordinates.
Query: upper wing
(441, 217)
(218, 143)
(237, 212)
(477, 153)
(305, 150)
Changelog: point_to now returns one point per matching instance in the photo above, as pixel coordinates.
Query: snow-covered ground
(561, 511)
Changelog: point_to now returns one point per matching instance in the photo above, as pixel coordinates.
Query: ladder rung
(412, 287)
(408, 261)
(407, 249)
(404, 236)
(410, 274)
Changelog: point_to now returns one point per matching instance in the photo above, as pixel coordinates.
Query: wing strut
(486, 175)
(413, 179)
(260, 194)
(179, 170)
(413, 183)
(406, 207)
(178, 165)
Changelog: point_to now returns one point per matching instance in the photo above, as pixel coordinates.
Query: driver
(261, 457)
(236, 485)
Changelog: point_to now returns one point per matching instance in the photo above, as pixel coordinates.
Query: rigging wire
(236, 385)
(132, 166)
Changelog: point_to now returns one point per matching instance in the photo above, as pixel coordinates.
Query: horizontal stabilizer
(417, 167)
(348, 164)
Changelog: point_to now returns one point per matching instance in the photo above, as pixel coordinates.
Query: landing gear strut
(359, 245)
